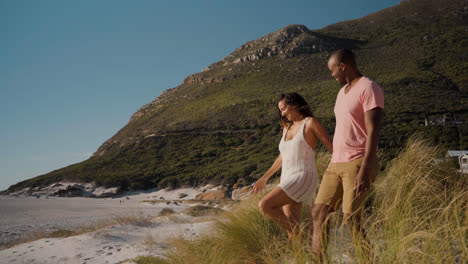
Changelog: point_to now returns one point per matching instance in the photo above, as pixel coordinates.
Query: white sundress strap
(284, 133)
(304, 123)
(286, 130)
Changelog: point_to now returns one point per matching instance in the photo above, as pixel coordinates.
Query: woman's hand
(259, 185)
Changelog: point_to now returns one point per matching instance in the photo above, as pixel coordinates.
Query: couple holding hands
(354, 163)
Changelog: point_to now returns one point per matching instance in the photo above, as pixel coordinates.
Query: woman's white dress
(298, 174)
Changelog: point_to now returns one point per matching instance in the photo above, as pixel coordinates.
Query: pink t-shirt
(349, 142)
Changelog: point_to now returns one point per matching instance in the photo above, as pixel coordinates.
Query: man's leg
(353, 207)
(328, 196)
(271, 206)
(358, 235)
(320, 214)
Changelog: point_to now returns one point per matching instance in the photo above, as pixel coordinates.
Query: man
(354, 164)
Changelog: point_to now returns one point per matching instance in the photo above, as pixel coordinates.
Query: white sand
(21, 217)
(109, 245)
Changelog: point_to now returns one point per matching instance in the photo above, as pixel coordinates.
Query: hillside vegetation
(221, 125)
(415, 214)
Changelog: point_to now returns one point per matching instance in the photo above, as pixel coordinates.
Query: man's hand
(259, 185)
(362, 182)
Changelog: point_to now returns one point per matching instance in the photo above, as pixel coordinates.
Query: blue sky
(73, 72)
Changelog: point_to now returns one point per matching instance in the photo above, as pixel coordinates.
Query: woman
(297, 159)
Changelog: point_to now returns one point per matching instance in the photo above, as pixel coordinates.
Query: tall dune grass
(417, 213)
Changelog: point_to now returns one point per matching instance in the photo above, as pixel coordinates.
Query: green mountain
(221, 125)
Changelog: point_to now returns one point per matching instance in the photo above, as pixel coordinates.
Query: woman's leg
(293, 214)
(272, 206)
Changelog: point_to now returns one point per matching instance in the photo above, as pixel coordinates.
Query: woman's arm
(260, 184)
(321, 134)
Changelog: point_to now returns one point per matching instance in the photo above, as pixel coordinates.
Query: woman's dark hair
(298, 102)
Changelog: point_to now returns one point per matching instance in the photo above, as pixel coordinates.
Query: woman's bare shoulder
(311, 122)
(314, 124)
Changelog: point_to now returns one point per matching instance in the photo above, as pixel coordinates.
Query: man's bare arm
(373, 121)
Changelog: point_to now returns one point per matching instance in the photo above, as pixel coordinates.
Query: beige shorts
(338, 184)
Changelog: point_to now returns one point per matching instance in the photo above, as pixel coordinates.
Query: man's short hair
(345, 56)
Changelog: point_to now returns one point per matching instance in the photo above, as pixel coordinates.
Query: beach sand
(109, 245)
(145, 233)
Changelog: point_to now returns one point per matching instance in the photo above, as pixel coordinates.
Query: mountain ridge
(414, 57)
